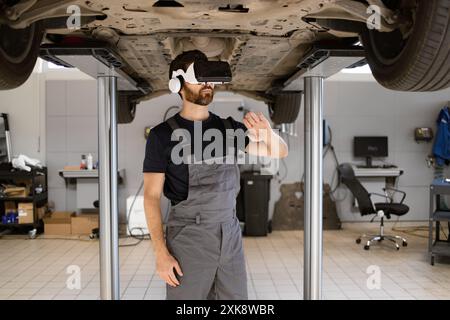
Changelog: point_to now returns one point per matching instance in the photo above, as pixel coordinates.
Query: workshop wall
(72, 131)
(71, 113)
(364, 109)
(24, 106)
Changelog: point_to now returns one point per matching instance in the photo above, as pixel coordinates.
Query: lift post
(313, 188)
(108, 205)
(101, 61)
(319, 64)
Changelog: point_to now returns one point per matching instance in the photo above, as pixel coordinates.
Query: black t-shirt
(159, 147)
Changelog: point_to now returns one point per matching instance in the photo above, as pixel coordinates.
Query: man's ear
(181, 93)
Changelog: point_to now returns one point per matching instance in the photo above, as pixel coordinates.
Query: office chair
(367, 207)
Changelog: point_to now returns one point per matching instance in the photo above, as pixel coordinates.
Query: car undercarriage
(263, 41)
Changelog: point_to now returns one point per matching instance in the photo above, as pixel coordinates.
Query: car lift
(104, 65)
(319, 64)
(101, 62)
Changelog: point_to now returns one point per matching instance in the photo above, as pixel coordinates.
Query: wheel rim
(271, 111)
(388, 47)
(15, 44)
(133, 111)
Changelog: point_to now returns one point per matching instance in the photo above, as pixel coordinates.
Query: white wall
(365, 108)
(25, 106)
(351, 107)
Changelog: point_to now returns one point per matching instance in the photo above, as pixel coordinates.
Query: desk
(86, 185)
(375, 179)
(377, 172)
(438, 247)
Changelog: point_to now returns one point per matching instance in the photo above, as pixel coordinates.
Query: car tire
(286, 107)
(19, 49)
(419, 63)
(126, 108)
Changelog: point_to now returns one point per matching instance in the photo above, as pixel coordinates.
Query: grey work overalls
(204, 235)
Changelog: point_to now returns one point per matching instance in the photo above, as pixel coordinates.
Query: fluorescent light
(361, 70)
(51, 65)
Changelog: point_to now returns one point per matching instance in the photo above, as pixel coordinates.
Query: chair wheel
(32, 234)
(405, 244)
(432, 260)
(398, 248)
(358, 241)
(366, 247)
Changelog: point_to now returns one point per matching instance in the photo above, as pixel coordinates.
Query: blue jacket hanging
(441, 147)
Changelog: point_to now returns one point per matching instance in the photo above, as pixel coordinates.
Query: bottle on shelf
(90, 162)
(83, 164)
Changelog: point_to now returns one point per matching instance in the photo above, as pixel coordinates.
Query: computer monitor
(370, 147)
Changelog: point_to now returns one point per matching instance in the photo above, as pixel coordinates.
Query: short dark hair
(185, 59)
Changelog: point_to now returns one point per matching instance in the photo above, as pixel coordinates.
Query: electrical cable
(412, 230)
(143, 235)
(283, 162)
(167, 112)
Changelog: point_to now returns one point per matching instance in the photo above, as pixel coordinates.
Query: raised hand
(258, 126)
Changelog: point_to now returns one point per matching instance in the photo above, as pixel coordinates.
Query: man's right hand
(165, 265)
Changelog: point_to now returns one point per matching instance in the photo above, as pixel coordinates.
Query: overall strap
(227, 124)
(229, 136)
(173, 123)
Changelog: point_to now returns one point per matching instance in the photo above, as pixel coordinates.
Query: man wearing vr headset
(202, 255)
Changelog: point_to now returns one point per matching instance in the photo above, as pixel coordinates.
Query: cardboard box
(59, 223)
(25, 211)
(72, 168)
(82, 224)
(10, 206)
(16, 192)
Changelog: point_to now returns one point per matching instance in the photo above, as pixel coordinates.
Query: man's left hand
(258, 126)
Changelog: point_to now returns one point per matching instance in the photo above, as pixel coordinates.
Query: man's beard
(202, 98)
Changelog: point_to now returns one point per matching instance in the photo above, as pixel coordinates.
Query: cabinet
(253, 203)
(436, 245)
(35, 197)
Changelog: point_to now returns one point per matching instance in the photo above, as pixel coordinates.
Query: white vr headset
(212, 72)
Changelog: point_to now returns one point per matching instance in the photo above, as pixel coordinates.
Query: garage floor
(36, 269)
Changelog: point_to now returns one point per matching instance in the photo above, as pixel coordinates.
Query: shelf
(16, 224)
(441, 248)
(36, 198)
(86, 174)
(15, 173)
(441, 215)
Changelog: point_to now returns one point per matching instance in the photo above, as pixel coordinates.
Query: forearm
(276, 147)
(155, 225)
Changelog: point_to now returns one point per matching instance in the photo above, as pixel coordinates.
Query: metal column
(313, 188)
(107, 155)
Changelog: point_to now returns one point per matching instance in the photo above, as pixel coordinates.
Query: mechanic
(202, 255)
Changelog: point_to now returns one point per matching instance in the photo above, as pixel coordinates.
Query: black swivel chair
(367, 207)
